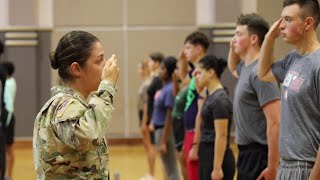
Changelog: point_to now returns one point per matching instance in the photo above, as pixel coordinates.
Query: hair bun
(53, 60)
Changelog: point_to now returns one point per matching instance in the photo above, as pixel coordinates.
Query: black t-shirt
(155, 85)
(216, 106)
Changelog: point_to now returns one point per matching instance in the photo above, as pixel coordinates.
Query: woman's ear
(212, 72)
(75, 69)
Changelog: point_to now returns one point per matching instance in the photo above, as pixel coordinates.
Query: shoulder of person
(68, 108)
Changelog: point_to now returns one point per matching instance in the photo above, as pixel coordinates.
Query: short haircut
(309, 8)
(256, 25)
(198, 38)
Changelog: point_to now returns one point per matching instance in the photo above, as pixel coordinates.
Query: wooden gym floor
(128, 160)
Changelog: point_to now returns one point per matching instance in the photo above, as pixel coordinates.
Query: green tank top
(179, 104)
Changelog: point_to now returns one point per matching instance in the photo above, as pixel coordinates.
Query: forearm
(101, 104)
(88, 126)
(272, 112)
(266, 57)
(315, 173)
(167, 127)
(197, 133)
(175, 87)
(233, 61)
(220, 145)
(145, 114)
(183, 68)
(273, 147)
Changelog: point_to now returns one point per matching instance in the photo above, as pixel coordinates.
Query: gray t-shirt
(251, 95)
(300, 114)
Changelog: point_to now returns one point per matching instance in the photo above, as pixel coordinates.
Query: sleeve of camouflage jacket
(82, 127)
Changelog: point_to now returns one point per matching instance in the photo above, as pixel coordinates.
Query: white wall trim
(45, 13)
(4, 13)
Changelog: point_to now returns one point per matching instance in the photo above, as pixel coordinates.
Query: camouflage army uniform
(68, 137)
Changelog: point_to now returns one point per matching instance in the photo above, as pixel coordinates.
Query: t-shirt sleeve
(280, 68)
(266, 91)
(221, 109)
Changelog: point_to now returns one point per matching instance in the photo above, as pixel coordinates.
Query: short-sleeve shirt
(216, 106)
(164, 99)
(300, 103)
(251, 95)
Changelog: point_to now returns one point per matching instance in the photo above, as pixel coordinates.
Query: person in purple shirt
(162, 119)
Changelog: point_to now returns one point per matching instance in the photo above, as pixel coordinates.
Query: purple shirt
(163, 99)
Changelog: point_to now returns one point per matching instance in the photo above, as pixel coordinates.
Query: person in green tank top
(180, 90)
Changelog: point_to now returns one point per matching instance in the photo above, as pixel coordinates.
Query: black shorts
(178, 132)
(252, 160)
(206, 156)
(9, 131)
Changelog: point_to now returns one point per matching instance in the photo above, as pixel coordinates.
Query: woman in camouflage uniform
(68, 138)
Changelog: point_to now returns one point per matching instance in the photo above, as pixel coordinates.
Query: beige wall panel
(164, 12)
(87, 13)
(112, 43)
(227, 10)
(271, 11)
(140, 45)
(23, 13)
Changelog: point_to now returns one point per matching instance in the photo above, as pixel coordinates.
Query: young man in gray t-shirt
(299, 71)
(256, 104)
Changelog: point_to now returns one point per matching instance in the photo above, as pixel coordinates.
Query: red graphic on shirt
(293, 81)
(296, 84)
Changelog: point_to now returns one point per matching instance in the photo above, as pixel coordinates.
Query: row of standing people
(256, 106)
(174, 119)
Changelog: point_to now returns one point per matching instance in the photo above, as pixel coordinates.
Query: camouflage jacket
(68, 137)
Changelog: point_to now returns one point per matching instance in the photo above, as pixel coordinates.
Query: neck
(214, 85)
(78, 86)
(308, 44)
(166, 81)
(250, 56)
(198, 58)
